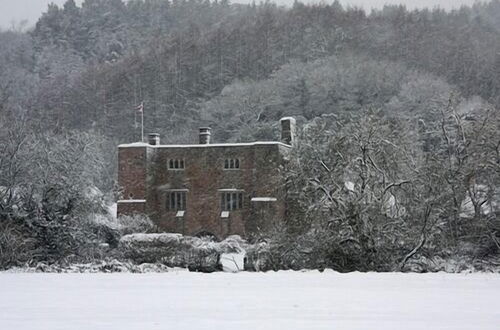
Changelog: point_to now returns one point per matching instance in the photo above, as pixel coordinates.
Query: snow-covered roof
(287, 118)
(245, 144)
(132, 201)
(165, 238)
(264, 199)
(135, 144)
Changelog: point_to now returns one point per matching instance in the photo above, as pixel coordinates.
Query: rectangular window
(176, 200)
(232, 164)
(176, 164)
(232, 200)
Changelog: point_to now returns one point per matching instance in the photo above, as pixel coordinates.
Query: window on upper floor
(231, 200)
(232, 164)
(176, 164)
(176, 200)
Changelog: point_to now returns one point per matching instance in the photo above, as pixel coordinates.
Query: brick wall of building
(132, 166)
(205, 179)
(146, 181)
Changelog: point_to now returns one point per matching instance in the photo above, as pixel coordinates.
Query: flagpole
(142, 125)
(140, 108)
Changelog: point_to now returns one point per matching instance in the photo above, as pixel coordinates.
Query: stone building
(206, 189)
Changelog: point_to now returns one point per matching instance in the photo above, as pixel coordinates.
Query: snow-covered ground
(283, 300)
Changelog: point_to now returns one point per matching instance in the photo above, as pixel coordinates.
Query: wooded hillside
(86, 67)
(397, 109)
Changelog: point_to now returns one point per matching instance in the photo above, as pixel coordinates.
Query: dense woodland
(398, 157)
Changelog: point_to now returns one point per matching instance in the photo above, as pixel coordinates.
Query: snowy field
(283, 301)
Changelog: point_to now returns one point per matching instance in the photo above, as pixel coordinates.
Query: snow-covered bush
(110, 229)
(453, 264)
(15, 249)
(176, 250)
(102, 266)
(49, 186)
(369, 192)
(135, 224)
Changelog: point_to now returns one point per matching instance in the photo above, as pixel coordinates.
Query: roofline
(215, 145)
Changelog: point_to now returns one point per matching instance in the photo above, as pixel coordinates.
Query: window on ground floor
(176, 200)
(231, 200)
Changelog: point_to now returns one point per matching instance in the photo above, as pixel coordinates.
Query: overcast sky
(17, 10)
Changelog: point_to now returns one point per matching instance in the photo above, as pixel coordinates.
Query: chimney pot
(205, 135)
(154, 139)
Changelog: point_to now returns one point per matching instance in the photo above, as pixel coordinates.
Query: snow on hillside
(282, 300)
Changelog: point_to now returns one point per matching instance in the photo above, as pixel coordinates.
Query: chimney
(288, 130)
(154, 139)
(205, 135)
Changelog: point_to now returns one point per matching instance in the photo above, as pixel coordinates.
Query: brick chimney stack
(154, 139)
(288, 130)
(205, 135)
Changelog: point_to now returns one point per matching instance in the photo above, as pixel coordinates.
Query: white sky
(12, 11)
